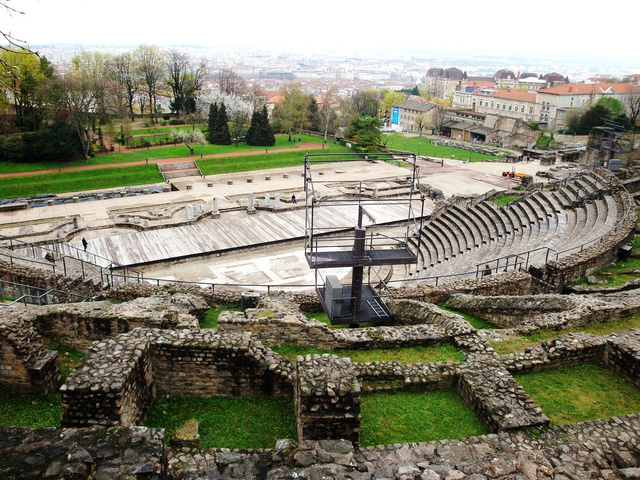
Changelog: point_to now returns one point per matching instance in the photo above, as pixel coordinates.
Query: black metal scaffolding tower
(351, 245)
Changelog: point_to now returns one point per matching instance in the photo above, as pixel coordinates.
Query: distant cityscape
(349, 73)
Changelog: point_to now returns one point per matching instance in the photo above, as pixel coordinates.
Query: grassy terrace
(429, 354)
(621, 272)
(581, 393)
(228, 422)
(426, 146)
(78, 180)
(402, 417)
(141, 154)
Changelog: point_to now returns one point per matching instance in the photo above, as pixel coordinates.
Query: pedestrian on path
(85, 244)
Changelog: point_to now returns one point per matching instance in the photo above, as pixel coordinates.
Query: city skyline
(336, 28)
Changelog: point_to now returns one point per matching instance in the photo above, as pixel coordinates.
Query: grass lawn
(424, 146)
(403, 417)
(504, 199)
(141, 154)
(578, 394)
(210, 319)
(228, 422)
(243, 163)
(535, 339)
(475, 322)
(621, 272)
(29, 410)
(79, 180)
(165, 129)
(430, 354)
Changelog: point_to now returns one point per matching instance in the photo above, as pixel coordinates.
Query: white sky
(584, 29)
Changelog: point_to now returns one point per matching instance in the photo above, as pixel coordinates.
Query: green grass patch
(403, 417)
(475, 322)
(122, 155)
(426, 146)
(164, 130)
(621, 272)
(243, 163)
(69, 356)
(429, 354)
(578, 394)
(504, 200)
(79, 180)
(227, 422)
(210, 319)
(519, 344)
(31, 411)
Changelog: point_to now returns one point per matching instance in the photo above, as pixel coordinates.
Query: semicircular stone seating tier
(582, 210)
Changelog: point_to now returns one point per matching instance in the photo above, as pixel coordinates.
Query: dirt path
(301, 146)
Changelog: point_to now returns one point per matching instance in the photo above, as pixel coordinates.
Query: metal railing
(28, 294)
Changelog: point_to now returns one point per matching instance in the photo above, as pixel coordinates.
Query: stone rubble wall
(276, 322)
(507, 311)
(327, 399)
(209, 363)
(623, 355)
(78, 324)
(564, 351)
(99, 453)
(547, 312)
(26, 366)
(498, 400)
(114, 384)
(600, 449)
(119, 377)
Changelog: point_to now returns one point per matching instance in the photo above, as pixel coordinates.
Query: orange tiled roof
(589, 88)
(512, 95)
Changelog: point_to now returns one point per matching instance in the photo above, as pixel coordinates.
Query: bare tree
(150, 66)
(230, 82)
(124, 72)
(10, 44)
(184, 80)
(327, 110)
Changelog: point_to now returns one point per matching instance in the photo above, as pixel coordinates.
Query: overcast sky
(584, 28)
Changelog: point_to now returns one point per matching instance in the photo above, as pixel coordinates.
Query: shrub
(166, 116)
(176, 121)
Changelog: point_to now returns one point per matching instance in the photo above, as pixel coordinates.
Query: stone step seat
(486, 221)
(523, 214)
(466, 219)
(169, 167)
(542, 205)
(490, 211)
(464, 241)
(562, 198)
(452, 238)
(432, 237)
(458, 217)
(535, 207)
(553, 200)
(569, 194)
(172, 175)
(585, 188)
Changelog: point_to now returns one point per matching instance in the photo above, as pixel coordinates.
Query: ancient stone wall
(208, 363)
(114, 385)
(25, 365)
(78, 324)
(327, 399)
(119, 377)
(623, 355)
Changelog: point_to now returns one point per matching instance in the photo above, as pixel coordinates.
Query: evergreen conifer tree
(268, 139)
(253, 128)
(222, 127)
(212, 121)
